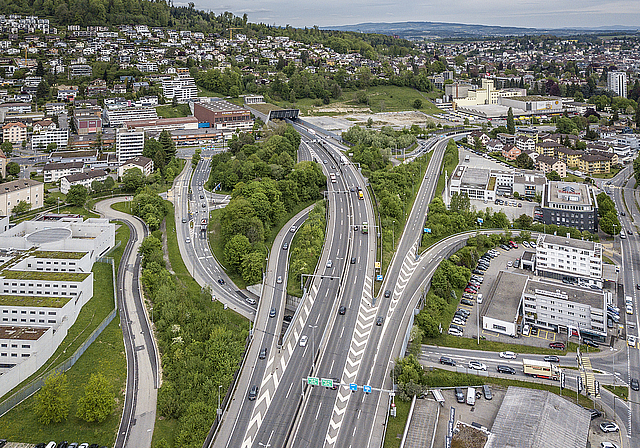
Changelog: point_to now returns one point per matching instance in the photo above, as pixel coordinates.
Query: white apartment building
(565, 309)
(53, 172)
(617, 83)
(84, 179)
(27, 190)
(58, 136)
(117, 116)
(144, 164)
(183, 88)
(564, 258)
(129, 144)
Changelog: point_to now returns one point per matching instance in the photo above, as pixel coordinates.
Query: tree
(167, 144)
(553, 175)
(53, 401)
(133, 179)
(417, 104)
(524, 161)
(252, 267)
(523, 221)
(511, 124)
(22, 207)
(98, 400)
(51, 147)
(40, 69)
(13, 168)
(109, 183)
(7, 148)
(609, 224)
(195, 159)
(460, 203)
(43, 90)
(77, 195)
(235, 249)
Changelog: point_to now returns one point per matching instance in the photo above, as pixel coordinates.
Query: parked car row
(64, 444)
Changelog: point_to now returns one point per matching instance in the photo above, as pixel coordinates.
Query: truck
(365, 227)
(332, 176)
(203, 225)
(360, 195)
(540, 369)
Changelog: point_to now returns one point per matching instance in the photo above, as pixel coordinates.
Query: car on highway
(557, 345)
(379, 321)
(609, 427)
(250, 301)
(279, 279)
(353, 260)
(638, 286)
(506, 369)
(263, 353)
(477, 365)
(631, 340)
(201, 196)
(479, 299)
(356, 227)
(272, 312)
(221, 281)
(342, 310)
(551, 358)
(204, 204)
(634, 384)
(629, 308)
(447, 361)
(466, 302)
(253, 393)
(285, 246)
(303, 340)
(329, 263)
(508, 355)
(184, 220)
(187, 240)
(292, 229)
(630, 232)
(387, 294)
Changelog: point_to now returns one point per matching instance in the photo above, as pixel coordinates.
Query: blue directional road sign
(379, 277)
(366, 389)
(427, 230)
(353, 387)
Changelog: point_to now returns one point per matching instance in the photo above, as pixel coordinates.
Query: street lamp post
(219, 410)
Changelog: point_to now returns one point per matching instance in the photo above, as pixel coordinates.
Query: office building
(129, 144)
(87, 121)
(617, 83)
(223, 115)
(569, 259)
(58, 136)
(570, 204)
(27, 190)
(117, 116)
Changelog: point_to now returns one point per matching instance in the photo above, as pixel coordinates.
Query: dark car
(534, 331)
(288, 318)
(379, 320)
(634, 384)
(557, 345)
(466, 302)
(457, 327)
(353, 260)
(506, 369)
(551, 358)
(478, 271)
(590, 342)
(342, 310)
(387, 294)
(447, 361)
(594, 413)
(201, 196)
(272, 313)
(460, 397)
(336, 383)
(263, 353)
(253, 393)
(184, 220)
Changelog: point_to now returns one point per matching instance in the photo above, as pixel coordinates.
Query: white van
(471, 396)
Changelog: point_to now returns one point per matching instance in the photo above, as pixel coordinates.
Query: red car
(469, 290)
(513, 244)
(558, 345)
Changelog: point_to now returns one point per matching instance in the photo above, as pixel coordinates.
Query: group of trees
(53, 400)
(150, 207)
(609, 222)
(163, 154)
(385, 141)
(306, 248)
(200, 347)
(266, 184)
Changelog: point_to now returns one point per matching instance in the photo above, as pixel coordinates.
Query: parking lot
(540, 338)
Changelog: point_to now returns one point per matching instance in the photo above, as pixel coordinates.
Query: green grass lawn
(123, 207)
(620, 391)
(395, 425)
(614, 171)
(446, 340)
(105, 355)
(70, 209)
(573, 178)
(169, 111)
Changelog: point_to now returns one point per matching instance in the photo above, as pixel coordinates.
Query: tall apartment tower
(129, 144)
(617, 83)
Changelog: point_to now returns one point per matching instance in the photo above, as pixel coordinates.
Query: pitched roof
(84, 176)
(139, 160)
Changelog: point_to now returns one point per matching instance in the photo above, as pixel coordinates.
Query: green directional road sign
(313, 381)
(326, 382)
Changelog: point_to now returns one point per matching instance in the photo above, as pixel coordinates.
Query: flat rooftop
(504, 300)
(22, 333)
(35, 301)
(44, 275)
(222, 106)
(568, 193)
(594, 299)
(566, 242)
(530, 418)
(58, 254)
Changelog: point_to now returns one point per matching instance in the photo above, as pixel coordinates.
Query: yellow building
(595, 164)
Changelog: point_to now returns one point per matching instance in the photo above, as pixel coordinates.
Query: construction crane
(231, 32)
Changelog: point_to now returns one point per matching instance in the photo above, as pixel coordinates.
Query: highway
(630, 248)
(139, 411)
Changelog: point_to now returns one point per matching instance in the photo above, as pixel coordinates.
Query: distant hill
(442, 30)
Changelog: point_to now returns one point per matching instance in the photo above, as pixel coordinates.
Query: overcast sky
(524, 13)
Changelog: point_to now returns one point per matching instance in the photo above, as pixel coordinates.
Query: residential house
(84, 179)
(53, 172)
(547, 164)
(511, 152)
(28, 190)
(15, 132)
(494, 145)
(547, 148)
(144, 164)
(569, 156)
(525, 143)
(484, 138)
(595, 164)
(44, 125)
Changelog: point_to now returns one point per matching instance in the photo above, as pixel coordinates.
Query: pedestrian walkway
(423, 424)
(587, 377)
